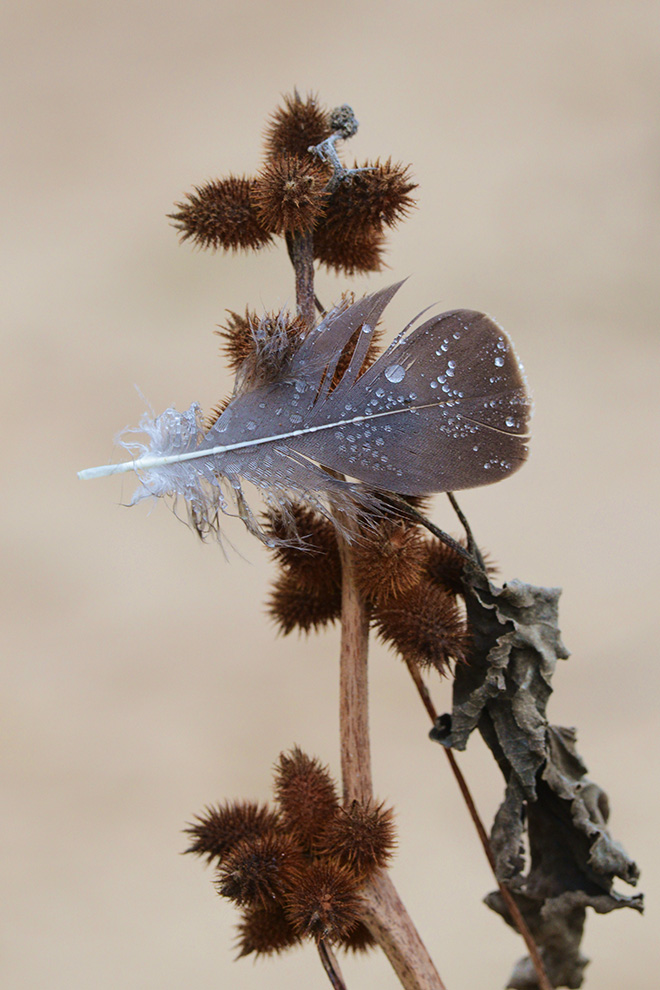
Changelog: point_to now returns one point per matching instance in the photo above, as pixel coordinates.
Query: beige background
(141, 677)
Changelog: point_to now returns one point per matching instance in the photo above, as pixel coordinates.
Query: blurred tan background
(141, 676)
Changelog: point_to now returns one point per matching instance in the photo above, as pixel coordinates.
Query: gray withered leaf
(573, 859)
(444, 408)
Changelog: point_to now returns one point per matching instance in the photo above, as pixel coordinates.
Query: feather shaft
(149, 461)
(443, 409)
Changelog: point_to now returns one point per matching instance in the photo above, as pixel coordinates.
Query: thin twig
(330, 965)
(471, 542)
(507, 896)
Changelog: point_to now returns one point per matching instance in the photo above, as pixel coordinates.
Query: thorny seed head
(374, 196)
(264, 930)
(389, 559)
(323, 900)
(292, 605)
(424, 625)
(259, 346)
(306, 795)
(361, 836)
(350, 253)
(253, 871)
(289, 193)
(306, 547)
(218, 830)
(296, 125)
(220, 214)
(359, 939)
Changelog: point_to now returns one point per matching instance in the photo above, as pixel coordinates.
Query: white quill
(443, 409)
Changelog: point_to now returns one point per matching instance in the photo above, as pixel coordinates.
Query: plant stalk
(384, 912)
(301, 253)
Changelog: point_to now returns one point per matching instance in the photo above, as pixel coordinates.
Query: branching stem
(518, 920)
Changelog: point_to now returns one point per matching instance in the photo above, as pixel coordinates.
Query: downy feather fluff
(444, 408)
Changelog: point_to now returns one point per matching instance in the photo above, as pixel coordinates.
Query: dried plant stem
(518, 920)
(385, 914)
(390, 924)
(330, 965)
(301, 253)
(354, 686)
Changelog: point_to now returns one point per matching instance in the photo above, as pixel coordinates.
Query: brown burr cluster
(303, 187)
(295, 870)
(412, 585)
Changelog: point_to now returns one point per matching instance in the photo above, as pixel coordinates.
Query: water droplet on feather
(395, 373)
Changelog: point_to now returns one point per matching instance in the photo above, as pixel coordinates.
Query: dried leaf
(573, 860)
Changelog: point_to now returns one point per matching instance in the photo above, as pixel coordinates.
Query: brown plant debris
(323, 901)
(306, 795)
(360, 836)
(389, 559)
(219, 829)
(220, 214)
(503, 692)
(296, 126)
(264, 930)
(289, 193)
(255, 868)
(424, 625)
(354, 254)
(375, 196)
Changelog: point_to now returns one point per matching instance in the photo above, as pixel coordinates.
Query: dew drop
(510, 421)
(434, 384)
(395, 373)
(499, 361)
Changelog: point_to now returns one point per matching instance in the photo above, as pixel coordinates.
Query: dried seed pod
(361, 837)
(294, 606)
(289, 193)
(424, 625)
(376, 196)
(359, 939)
(296, 126)
(306, 795)
(323, 901)
(219, 829)
(444, 566)
(254, 869)
(389, 559)
(259, 348)
(220, 214)
(352, 254)
(313, 556)
(264, 930)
